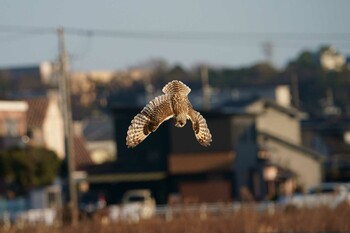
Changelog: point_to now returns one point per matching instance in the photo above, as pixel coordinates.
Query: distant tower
(267, 48)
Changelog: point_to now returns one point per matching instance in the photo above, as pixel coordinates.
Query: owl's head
(180, 120)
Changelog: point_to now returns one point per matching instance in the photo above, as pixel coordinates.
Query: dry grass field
(242, 221)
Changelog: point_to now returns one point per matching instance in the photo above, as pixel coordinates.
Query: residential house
(203, 174)
(245, 145)
(221, 98)
(27, 81)
(91, 90)
(45, 128)
(331, 137)
(279, 131)
(13, 123)
(99, 138)
(15, 119)
(45, 123)
(257, 148)
(331, 59)
(248, 140)
(142, 167)
(81, 154)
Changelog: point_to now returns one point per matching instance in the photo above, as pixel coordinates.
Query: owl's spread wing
(148, 120)
(200, 127)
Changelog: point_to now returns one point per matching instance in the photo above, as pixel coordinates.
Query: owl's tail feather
(176, 87)
(136, 133)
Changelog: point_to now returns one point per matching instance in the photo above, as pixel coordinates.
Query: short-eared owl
(173, 104)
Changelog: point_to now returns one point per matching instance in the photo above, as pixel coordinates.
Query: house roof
(334, 124)
(307, 151)
(98, 129)
(236, 106)
(82, 156)
(37, 109)
(331, 132)
(269, 103)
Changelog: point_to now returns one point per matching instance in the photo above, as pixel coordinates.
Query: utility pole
(205, 87)
(67, 119)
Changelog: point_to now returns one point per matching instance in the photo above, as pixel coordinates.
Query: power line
(28, 29)
(184, 35)
(13, 37)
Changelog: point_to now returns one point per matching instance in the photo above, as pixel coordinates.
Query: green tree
(28, 167)
(314, 82)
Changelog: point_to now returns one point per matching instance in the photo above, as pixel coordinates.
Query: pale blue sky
(96, 53)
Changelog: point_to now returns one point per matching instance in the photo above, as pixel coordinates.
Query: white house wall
(53, 129)
(102, 151)
(307, 169)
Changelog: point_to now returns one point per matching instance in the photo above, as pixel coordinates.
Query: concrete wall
(279, 124)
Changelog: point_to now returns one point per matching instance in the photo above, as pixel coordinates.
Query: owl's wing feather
(148, 120)
(200, 127)
(176, 87)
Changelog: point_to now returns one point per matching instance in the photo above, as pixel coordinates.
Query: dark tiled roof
(98, 129)
(334, 124)
(37, 109)
(290, 110)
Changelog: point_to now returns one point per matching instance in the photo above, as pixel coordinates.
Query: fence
(169, 212)
(134, 213)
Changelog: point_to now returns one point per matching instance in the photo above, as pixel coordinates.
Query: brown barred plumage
(173, 104)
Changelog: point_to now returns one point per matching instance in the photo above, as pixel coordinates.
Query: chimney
(282, 95)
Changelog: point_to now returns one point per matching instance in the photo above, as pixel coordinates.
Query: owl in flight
(173, 104)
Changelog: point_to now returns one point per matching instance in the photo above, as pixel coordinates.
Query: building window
(53, 197)
(11, 126)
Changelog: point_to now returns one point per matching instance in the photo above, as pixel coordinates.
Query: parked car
(326, 194)
(136, 204)
(329, 187)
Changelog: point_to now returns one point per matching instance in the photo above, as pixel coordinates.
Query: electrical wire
(185, 35)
